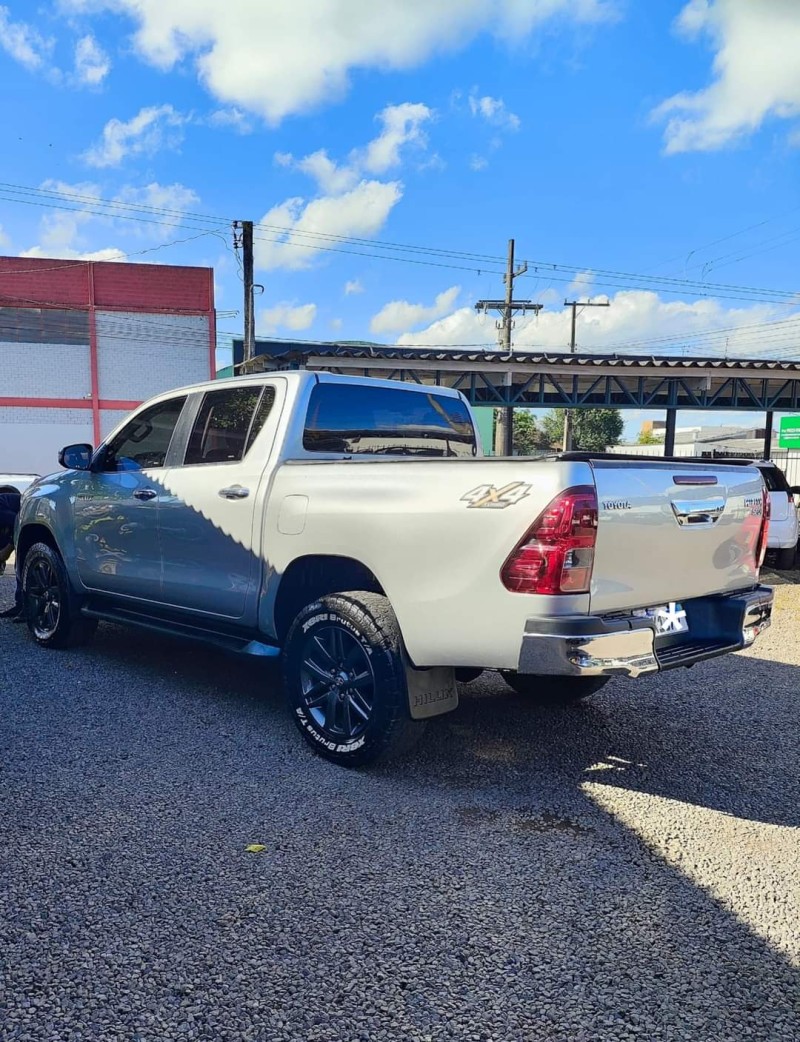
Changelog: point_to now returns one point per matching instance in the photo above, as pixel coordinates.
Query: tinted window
(227, 424)
(774, 479)
(143, 443)
(357, 419)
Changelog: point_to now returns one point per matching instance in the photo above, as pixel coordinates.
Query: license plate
(671, 618)
(668, 618)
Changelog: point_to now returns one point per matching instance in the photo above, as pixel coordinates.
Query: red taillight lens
(761, 546)
(557, 553)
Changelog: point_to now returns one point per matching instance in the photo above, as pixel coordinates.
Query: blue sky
(656, 141)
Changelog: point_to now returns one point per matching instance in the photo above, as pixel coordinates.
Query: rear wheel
(345, 679)
(552, 690)
(51, 609)
(785, 559)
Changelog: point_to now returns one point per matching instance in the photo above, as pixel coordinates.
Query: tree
(648, 438)
(593, 430)
(527, 436)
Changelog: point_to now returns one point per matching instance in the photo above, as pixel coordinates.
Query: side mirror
(76, 457)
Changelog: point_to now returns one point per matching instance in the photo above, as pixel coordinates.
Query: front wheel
(552, 690)
(345, 679)
(50, 607)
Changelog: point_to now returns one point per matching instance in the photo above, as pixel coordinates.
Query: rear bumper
(629, 646)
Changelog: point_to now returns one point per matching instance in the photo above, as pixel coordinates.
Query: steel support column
(768, 435)
(669, 433)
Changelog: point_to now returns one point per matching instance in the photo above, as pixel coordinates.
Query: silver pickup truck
(354, 528)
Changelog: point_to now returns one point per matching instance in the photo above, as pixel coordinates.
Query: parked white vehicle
(352, 527)
(784, 520)
(17, 482)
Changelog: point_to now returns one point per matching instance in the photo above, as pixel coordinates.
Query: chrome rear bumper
(629, 646)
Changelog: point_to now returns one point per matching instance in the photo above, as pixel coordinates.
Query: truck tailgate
(669, 531)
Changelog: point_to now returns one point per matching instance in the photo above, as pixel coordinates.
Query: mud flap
(431, 692)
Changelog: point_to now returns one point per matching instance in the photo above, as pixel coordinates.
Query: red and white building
(84, 342)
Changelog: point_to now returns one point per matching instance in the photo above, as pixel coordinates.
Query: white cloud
(286, 235)
(233, 118)
(336, 323)
(399, 314)
(281, 59)
(478, 162)
(756, 72)
(92, 64)
(287, 316)
(353, 286)
(5, 241)
(494, 111)
(67, 233)
(581, 284)
(401, 126)
(351, 204)
(152, 128)
(635, 323)
(22, 42)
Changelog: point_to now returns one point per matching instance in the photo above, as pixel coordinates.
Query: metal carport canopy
(555, 380)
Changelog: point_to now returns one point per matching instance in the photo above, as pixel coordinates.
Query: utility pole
(245, 241)
(504, 434)
(575, 304)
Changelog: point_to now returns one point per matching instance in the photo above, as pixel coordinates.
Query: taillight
(557, 554)
(761, 546)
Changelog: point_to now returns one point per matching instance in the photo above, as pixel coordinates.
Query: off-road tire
(552, 690)
(52, 610)
(785, 559)
(333, 643)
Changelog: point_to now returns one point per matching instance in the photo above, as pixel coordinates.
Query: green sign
(790, 432)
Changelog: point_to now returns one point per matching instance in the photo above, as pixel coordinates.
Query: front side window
(359, 419)
(227, 424)
(142, 444)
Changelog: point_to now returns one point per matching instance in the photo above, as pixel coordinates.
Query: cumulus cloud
(399, 314)
(494, 112)
(288, 316)
(22, 42)
(353, 286)
(756, 74)
(281, 59)
(351, 204)
(151, 129)
(635, 323)
(401, 125)
(92, 64)
(68, 233)
(478, 163)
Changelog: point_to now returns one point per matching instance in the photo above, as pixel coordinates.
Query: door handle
(234, 492)
(145, 493)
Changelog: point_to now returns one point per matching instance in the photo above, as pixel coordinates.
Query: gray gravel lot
(625, 869)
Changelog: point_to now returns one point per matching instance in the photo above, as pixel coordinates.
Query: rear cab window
(775, 479)
(227, 423)
(355, 419)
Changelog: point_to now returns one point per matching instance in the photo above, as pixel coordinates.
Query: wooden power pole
(575, 304)
(504, 434)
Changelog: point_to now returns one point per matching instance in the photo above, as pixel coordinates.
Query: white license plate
(670, 618)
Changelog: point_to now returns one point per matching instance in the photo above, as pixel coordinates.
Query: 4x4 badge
(496, 498)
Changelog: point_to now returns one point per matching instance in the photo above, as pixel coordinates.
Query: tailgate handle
(690, 512)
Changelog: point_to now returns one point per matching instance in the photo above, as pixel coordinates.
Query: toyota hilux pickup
(353, 528)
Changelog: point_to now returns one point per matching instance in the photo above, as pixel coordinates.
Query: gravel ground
(626, 869)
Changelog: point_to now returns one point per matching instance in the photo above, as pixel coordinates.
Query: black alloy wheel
(338, 683)
(42, 598)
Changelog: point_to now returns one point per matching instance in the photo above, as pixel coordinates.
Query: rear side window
(774, 479)
(356, 419)
(227, 424)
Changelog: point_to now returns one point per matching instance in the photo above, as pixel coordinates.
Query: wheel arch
(30, 534)
(313, 576)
